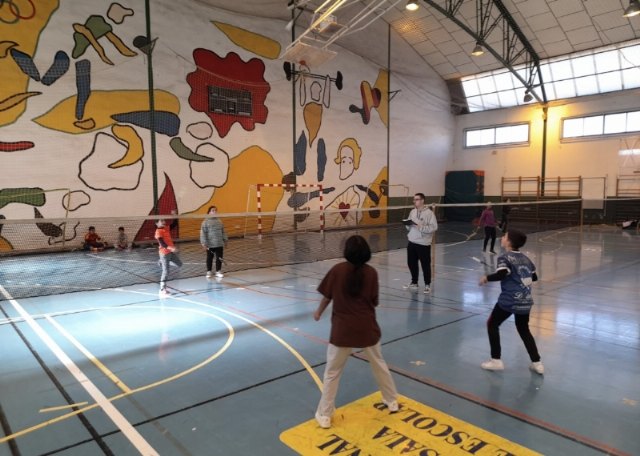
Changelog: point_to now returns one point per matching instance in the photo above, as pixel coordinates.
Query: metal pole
(152, 126)
(544, 147)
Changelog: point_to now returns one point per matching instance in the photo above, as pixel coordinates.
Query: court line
(139, 389)
(105, 370)
(62, 407)
(109, 409)
(508, 411)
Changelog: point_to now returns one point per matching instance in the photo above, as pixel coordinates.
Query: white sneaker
(411, 286)
(427, 289)
(537, 367)
(209, 274)
(493, 365)
(323, 421)
(219, 274)
(163, 293)
(392, 406)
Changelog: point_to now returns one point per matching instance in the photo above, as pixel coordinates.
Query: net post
(321, 210)
(258, 196)
(433, 251)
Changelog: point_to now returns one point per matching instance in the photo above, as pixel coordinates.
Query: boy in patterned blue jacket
(516, 272)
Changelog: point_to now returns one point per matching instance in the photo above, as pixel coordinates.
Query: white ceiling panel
(552, 27)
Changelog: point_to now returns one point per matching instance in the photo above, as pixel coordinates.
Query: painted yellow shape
(5, 246)
(382, 84)
(252, 42)
(26, 33)
(5, 47)
(312, 119)
(102, 104)
(252, 166)
(382, 192)
(367, 425)
(135, 149)
(16, 99)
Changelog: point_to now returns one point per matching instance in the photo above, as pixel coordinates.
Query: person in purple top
(488, 221)
(516, 272)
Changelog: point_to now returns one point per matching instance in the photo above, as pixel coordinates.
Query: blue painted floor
(222, 367)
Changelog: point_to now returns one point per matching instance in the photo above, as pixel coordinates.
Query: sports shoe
(537, 367)
(427, 289)
(219, 274)
(209, 274)
(493, 365)
(163, 293)
(392, 406)
(492, 251)
(323, 421)
(411, 286)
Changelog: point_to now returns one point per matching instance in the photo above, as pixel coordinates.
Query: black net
(48, 256)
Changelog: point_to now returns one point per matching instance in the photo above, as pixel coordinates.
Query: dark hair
(92, 228)
(121, 228)
(421, 195)
(212, 207)
(516, 238)
(357, 252)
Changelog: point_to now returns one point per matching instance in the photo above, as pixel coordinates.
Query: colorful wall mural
(75, 118)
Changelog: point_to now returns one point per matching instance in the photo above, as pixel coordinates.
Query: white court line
(118, 419)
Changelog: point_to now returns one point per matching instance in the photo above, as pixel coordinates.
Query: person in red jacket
(168, 254)
(93, 241)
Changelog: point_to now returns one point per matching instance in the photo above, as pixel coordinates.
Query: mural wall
(75, 117)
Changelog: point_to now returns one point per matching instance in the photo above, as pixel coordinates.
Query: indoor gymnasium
(320, 227)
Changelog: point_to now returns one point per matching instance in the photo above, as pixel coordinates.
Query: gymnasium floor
(225, 367)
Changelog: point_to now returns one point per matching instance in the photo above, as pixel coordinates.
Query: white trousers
(336, 360)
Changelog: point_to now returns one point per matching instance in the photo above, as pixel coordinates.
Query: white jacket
(425, 225)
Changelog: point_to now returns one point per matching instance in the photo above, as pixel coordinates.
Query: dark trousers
(504, 222)
(498, 316)
(419, 253)
(217, 251)
(489, 232)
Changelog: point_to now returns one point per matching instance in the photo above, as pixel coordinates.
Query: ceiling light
(478, 50)
(527, 96)
(633, 9)
(412, 5)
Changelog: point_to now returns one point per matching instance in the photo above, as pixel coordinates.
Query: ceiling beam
(492, 17)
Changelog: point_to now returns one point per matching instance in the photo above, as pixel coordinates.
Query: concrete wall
(595, 158)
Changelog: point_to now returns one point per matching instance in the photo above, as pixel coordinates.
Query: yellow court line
(297, 355)
(105, 370)
(66, 416)
(62, 407)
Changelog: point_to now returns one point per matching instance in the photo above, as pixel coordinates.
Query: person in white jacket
(420, 229)
(213, 239)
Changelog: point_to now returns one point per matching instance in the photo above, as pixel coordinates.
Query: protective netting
(46, 256)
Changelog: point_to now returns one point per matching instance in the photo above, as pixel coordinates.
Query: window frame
(602, 135)
(495, 145)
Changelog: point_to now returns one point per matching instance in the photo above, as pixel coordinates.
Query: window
(493, 136)
(230, 101)
(590, 72)
(605, 124)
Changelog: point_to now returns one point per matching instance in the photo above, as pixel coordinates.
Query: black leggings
(498, 316)
(217, 251)
(421, 253)
(489, 232)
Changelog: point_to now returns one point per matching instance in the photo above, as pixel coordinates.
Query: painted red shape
(346, 212)
(15, 146)
(167, 205)
(230, 72)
